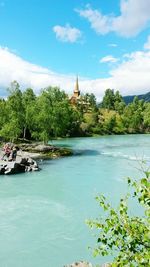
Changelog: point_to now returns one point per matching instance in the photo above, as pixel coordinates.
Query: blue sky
(52, 41)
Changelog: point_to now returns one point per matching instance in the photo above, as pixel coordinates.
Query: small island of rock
(26, 156)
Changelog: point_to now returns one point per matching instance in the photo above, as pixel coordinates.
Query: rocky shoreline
(40, 151)
(27, 155)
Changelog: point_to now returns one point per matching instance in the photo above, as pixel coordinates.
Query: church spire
(76, 90)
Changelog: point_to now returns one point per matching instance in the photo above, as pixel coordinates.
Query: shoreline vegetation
(53, 114)
(120, 233)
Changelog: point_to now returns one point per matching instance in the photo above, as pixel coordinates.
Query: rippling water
(42, 215)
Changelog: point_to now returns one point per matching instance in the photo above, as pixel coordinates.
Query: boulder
(18, 166)
(2, 169)
(44, 148)
(13, 169)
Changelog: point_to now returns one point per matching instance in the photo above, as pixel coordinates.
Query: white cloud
(13, 67)
(147, 44)
(101, 24)
(134, 17)
(108, 59)
(113, 45)
(130, 77)
(67, 33)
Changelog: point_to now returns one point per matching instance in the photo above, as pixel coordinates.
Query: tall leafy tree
(133, 116)
(15, 119)
(146, 117)
(55, 116)
(108, 99)
(119, 103)
(3, 112)
(29, 103)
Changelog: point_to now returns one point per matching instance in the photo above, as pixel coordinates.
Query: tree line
(50, 114)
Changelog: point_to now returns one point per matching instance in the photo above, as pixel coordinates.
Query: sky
(105, 42)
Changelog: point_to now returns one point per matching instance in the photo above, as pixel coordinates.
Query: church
(76, 94)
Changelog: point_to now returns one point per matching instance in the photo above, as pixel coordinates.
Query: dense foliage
(125, 237)
(51, 114)
(41, 117)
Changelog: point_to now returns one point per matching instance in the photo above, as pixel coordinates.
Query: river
(42, 214)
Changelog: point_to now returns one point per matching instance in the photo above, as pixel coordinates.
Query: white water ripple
(126, 156)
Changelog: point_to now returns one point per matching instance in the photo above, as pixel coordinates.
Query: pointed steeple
(76, 90)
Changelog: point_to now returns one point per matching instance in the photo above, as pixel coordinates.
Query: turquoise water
(42, 214)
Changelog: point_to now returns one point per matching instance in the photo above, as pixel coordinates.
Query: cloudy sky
(107, 43)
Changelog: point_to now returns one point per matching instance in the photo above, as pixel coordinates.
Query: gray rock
(44, 148)
(2, 169)
(18, 166)
(37, 148)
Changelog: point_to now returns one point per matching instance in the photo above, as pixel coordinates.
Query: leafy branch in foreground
(125, 237)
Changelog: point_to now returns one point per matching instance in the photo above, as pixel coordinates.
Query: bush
(119, 234)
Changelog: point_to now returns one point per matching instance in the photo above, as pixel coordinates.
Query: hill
(129, 99)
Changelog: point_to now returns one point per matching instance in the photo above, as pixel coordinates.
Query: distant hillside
(128, 99)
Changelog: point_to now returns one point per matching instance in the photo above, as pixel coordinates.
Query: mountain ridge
(129, 98)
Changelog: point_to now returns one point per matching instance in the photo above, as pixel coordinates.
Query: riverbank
(39, 151)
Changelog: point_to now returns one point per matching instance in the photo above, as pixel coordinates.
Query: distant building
(76, 93)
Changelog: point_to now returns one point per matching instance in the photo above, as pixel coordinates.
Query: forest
(49, 115)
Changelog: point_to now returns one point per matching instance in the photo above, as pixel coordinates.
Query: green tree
(146, 117)
(119, 103)
(108, 99)
(133, 116)
(11, 130)
(90, 100)
(43, 116)
(15, 104)
(13, 126)
(119, 234)
(29, 103)
(54, 116)
(111, 122)
(88, 125)
(3, 112)
(113, 101)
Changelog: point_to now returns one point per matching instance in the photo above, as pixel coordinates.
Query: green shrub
(127, 237)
